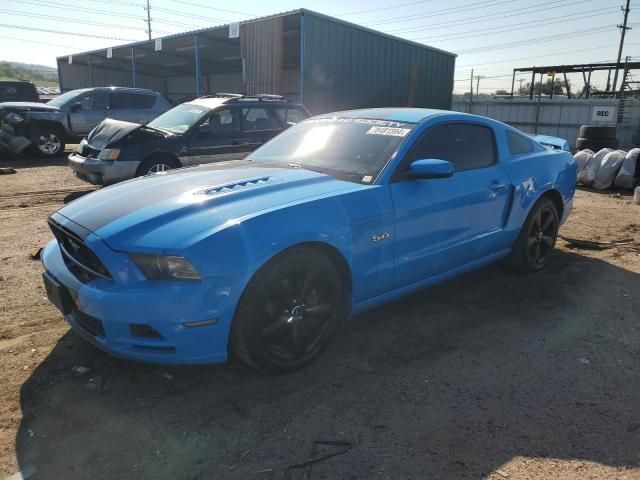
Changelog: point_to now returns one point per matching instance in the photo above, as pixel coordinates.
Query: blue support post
(302, 58)
(133, 66)
(90, 71)
(196, 54)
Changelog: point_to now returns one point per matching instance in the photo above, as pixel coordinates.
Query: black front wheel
(537, 238)
(289, 311)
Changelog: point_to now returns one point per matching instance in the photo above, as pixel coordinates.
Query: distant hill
(39, 75)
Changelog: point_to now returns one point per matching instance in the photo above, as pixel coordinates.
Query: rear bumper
(190, 321)
(101, 172)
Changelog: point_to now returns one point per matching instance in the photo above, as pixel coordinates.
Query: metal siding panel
(346, 67)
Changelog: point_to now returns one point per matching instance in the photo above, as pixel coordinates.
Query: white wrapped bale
(582, 158)
(590, 170)
(608, 170)
(625, 178)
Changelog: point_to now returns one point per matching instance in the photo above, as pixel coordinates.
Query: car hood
(109, 132)
(155, 212)
(28, 106)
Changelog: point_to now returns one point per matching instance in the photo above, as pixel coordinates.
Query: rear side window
(137, 101)
(24, 92)
(518, 144)
(467, 146)
(291, 116)
(258, 118)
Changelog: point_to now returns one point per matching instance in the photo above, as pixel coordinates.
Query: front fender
(345, 222)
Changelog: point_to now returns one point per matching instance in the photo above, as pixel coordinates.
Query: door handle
(497, 186)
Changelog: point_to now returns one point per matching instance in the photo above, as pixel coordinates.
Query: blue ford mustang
(265, 257)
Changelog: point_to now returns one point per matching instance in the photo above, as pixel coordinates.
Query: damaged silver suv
(47, 127)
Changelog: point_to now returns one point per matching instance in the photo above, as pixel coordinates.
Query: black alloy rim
(297, 312)
(542, 236)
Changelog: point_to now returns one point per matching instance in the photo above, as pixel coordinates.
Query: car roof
(214, 102)
(413, 115)
(117, 89)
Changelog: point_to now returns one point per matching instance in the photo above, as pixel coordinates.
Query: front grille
(76, 250)
(89, 323)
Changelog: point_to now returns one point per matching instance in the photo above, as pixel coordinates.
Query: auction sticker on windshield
(391, 131)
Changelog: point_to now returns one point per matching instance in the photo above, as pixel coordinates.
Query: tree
(558, 88)
(502, 92)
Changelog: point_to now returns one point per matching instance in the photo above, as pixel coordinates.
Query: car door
(87, 111)
(260, 124)
(217, 138)
(130, 107)
(445, 223)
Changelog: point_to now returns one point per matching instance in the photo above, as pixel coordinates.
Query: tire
(48, 142)
(595, 145)
(156, 164)
(595, 132)
(533, 248)
(273, 331)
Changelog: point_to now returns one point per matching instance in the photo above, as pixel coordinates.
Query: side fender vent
(237, 186)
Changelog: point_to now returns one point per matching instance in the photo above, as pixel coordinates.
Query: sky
(490, 36)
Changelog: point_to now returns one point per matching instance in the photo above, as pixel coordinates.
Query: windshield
(354, 149)
(61, 100)
(179, 119)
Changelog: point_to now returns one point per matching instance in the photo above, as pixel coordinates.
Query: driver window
(94, 101)
(467, 146)
(223, 121)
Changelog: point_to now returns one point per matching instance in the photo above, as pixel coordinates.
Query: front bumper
(12, 141)
(182, 322)
(102, 172)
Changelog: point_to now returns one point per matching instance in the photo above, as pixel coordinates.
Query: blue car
(265, 257)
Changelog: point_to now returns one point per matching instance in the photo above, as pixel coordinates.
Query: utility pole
(624, 31)
(148, 19)
(478, 77)
(471, 92)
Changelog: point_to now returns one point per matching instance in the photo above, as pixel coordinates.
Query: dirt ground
(494, 375)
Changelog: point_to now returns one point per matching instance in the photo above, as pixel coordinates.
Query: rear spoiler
(553, 143)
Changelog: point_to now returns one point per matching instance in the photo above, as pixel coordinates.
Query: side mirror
(204, 129)
(75, 107)
(430, 168)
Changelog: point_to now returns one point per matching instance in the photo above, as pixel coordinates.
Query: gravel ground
(493, 375)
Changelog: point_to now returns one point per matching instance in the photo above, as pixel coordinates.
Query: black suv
(208, 129)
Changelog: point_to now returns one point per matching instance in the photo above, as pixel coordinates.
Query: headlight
(13, 117)
(109, 154)
(165, 267)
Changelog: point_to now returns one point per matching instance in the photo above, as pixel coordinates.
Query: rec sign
(603, 114)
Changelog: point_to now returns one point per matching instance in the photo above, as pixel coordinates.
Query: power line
(511, 60)
(48, 3)
(444, 11)
(532, 41)
(84, 22)
(489, 17)
(215, 8)
(189, 15)
(41, 43)
(383, 8)
(518, 26)
(75, 34)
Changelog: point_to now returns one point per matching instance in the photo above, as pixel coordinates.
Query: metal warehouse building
(323, 62)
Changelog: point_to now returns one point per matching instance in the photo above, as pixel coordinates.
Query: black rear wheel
(537, 238)
(289, 311)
